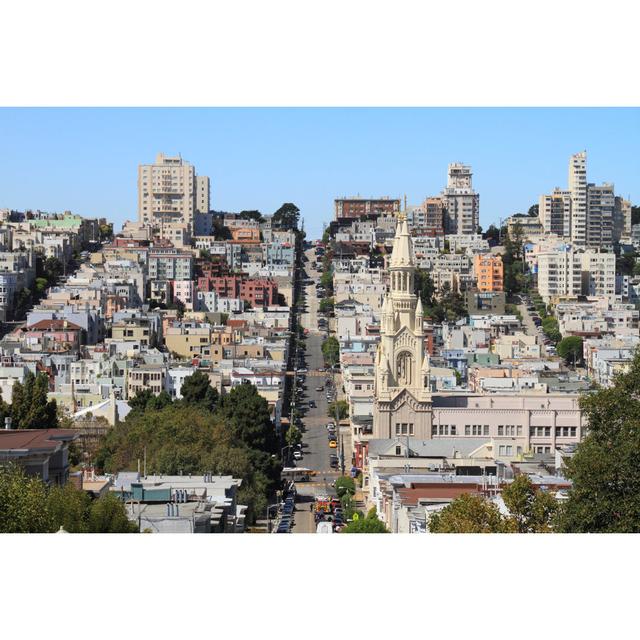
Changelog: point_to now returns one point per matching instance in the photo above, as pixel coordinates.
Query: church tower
(402, 397)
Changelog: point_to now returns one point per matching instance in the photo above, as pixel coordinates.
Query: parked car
(319, 389)
(333, 444)
(297, 455)
(312, 404)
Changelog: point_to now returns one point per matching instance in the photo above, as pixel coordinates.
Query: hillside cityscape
(205, 371)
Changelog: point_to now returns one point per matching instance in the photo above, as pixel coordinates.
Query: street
(315, 444)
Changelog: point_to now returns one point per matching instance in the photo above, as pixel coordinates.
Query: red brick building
(356, 207)
(258, 292)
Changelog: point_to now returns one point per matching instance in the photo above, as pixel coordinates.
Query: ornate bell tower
(402, 402)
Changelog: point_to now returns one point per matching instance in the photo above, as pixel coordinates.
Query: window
(453, 429)
(519, 430)
(404, 429)
(509, 450)
(411, 428)
(467, 429)
(434, 429)
(500, 430)
(573, 432)
(501, 450)
(519, 450)
(485, 430)
(547, 431)
(397, 428)
(398, 450)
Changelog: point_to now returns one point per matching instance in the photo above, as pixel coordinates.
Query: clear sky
(85, 160)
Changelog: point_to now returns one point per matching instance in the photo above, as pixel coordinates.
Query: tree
(251, 215)
(370, 524)
(534, 210)
(294, 436)
(531, 510)
(23, 503)
(345, 486)
(30, 408)
(105, 232)
(286, 217)
(69, 508)
(339, 408)
(551, 329)
(197, 389)
(108, 515)
(605, 492)
(424, 287)
(331, 351)
(492, 234)
(570, 348)
(248, 415)
(326, 305)
(468, 514)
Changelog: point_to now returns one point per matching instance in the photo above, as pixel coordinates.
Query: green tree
(551, 329)
(326, 305)
(248, 415)
(294, 435)
(252, 214)
(105, 231)
(339, 407)
(370, 524)
(570, 348)
(531, 510)
(605, 492)
(492, 234)
(345, 486)
(197, 389)
(108, 515)
(468, 514)
(331, 351)
(286, 217)
(69, 508)
(23, 503)
(424, 287)
(30, 408)
(534, 209)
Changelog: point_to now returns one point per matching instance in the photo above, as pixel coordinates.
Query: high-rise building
(462, 203)
(170, 193)
(622, 220)
(554, 212)
(586, 214)
(600, 213)
(578, 191)
(559, 274)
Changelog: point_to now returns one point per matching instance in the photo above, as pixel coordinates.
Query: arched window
(404, 368)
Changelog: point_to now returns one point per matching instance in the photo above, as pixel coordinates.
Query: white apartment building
(559, 274)
(578, 191)
(569, 273)
(554, 211)
(599, 274)
(586, 214)
(170, 192)
(462, 203)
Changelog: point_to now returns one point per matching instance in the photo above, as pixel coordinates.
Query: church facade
(402, 405)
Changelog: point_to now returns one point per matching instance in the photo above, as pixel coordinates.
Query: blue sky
(85, 160)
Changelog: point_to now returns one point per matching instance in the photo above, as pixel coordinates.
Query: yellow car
(333, 444)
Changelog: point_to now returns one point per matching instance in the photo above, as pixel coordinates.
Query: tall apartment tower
(601, 204)
(461, 201)
(169, 192)
(554, 211)
(578, 191)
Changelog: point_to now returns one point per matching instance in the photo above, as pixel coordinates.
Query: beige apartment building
(169, 193)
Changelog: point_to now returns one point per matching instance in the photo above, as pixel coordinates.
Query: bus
(296, 474)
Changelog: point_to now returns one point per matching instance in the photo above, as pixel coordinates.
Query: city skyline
(259, 158)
